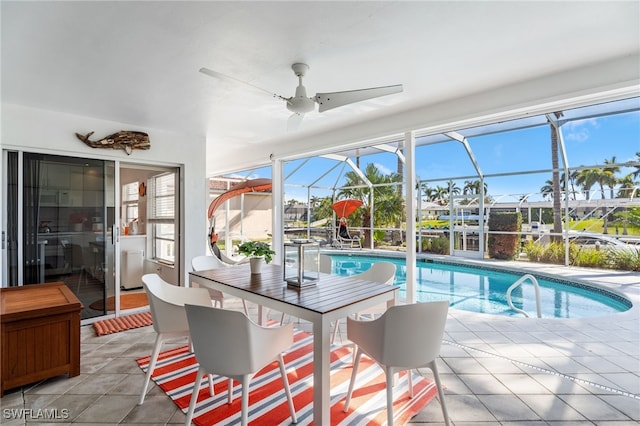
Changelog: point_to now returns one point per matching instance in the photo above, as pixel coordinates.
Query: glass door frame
(108, 265)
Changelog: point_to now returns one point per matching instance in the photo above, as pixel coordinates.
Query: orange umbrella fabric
(344, 208)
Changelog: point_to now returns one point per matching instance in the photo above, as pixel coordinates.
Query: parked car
(599, 241)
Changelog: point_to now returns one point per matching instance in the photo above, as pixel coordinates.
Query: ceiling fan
(300, 103)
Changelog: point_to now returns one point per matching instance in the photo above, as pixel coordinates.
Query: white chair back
(166, 302)
(228, 343)
(411, 350)
(246, 348)
(202, 263)
(380, 272)
(386, 341)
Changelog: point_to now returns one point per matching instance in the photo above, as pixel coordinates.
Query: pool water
(484, 290)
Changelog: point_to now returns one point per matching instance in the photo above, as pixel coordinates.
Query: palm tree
(453, 188)
(441, 195)
(610, 179)
(604, 178)
(314, 201)
(557, 212)
(572, 181)
(586, 179)
(626, 186)
(547, 190)
(428, 192)
(636, 174)
(388, 205)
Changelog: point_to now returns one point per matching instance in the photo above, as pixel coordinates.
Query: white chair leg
(230, 391)
(152, 366)
(354, 373)
(410, 383)
(389, 375)
(436, 377)
(211, 391)
(335, 331)
(194, 396)
(245, 400)
(287, 390)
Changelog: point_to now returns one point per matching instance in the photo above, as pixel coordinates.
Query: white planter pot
(256, 264)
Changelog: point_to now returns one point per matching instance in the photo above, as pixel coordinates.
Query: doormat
(126, 322)
(176, 370)
(127, 301)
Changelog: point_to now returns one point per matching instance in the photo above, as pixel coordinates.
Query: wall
(54, 133)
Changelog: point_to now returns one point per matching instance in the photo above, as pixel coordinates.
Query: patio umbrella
(344, 208)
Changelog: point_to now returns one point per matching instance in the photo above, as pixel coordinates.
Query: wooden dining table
(331, 298)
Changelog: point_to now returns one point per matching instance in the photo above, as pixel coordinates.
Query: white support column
(277, 227)
(410, 199)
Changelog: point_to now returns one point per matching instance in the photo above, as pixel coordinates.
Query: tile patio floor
(497, 371)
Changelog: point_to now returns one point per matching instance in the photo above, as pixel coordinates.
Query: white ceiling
(137, 62)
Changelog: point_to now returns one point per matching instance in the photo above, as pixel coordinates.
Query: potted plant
(256, 251)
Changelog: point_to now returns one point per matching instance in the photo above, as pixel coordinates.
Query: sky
(588, 142)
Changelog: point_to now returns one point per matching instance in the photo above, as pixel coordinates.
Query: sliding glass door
(59, 217)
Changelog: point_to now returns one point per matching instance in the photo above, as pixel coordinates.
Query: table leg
(321, 371)
(262, 315)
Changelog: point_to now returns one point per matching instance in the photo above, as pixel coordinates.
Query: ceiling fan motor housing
(300, 103)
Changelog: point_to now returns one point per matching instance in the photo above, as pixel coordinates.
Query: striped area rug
(176, 371)
(126, 322)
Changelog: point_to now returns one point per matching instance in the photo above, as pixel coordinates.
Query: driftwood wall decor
(124, 139)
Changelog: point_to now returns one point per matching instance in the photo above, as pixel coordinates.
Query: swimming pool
(484, 290)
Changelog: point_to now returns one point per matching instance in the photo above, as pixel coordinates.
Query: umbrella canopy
(253, 185)
(344, 208)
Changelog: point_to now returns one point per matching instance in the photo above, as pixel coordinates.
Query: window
(129, 202)
(161, 219)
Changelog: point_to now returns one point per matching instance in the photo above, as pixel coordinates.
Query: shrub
(504, 246)
(378, 236)
(439, 245)
(628, 260)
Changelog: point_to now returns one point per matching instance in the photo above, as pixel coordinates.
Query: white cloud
(383, 169)
(578, 130)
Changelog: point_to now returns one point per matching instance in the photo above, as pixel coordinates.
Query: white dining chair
(166, 302)
(386, 341)
(380, 272)
(247, 349)
(203, 263)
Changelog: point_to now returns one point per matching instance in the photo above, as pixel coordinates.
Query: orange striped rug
(126, 322)
(176, 371)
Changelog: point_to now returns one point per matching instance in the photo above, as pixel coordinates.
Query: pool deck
(497, 370)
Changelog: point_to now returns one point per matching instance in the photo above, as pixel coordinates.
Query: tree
(557, 212)
(547, 190)
(428, 192)
(609, 173)
(472, 187)
(388, 205)
(586, 179)
(572, 181)
(626, 186)
(636, 174)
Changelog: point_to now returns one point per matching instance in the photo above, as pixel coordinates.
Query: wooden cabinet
(40, 333)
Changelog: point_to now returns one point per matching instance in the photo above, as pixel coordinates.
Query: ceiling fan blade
(327, 101)
(221, 76)
(294, 121)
